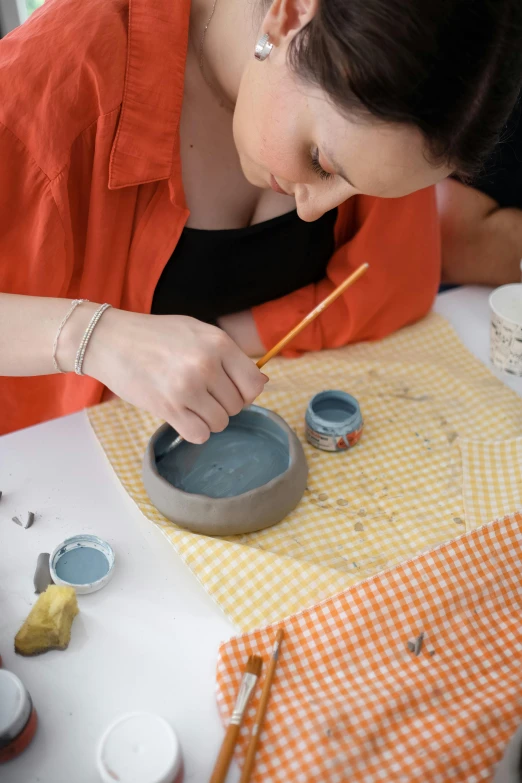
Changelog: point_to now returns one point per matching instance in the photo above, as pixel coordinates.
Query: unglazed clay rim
(292, 457)
(91, 587)
(256, 509)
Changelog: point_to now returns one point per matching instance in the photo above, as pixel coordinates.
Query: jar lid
(335, 409)
(333, 421)
(84, 562)
(139, 747)
(15, 707)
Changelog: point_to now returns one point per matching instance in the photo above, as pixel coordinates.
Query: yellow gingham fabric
(397, 493)
(349, 702)
(492, 474)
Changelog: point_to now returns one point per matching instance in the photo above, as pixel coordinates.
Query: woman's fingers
(227, 394)
(244, 374)
(189, 425)
(205, 416)
(209, 410)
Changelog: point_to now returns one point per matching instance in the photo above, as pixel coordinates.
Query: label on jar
(332, 442)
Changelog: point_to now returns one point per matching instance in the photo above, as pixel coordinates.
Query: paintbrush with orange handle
(321, 307)
(261, 711)
(248, 683)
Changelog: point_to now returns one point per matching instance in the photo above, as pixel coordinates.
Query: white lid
(15, 706)
(139, 748)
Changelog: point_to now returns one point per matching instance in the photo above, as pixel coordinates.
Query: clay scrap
(42, 576)
(26, 521)
(415, 645)
(48, 625)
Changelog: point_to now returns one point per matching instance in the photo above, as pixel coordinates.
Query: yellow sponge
(48, 626)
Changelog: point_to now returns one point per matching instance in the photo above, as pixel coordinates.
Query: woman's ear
(285, 18)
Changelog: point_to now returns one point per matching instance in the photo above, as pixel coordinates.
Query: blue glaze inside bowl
(252, 451)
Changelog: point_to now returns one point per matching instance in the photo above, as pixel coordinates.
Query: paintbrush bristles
(254, 665)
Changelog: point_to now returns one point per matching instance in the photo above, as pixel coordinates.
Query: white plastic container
(140, 747)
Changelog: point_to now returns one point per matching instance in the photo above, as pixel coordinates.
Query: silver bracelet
(78, 363)
(74, 305)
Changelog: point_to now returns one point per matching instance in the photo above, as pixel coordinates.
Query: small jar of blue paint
(84, 562)
(333, 421)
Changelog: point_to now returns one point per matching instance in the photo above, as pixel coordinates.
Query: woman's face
(289, 136)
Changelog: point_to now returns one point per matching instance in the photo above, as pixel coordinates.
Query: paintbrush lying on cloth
(246, 689)
(321, 307)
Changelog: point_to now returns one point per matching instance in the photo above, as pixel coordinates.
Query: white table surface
(149, 639)
(467, 309)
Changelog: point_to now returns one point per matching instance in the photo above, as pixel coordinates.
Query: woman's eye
(316, 166)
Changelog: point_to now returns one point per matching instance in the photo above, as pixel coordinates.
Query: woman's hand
(189, 373)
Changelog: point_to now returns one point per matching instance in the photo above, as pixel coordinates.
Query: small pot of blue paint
(333, 421)
(84, 562)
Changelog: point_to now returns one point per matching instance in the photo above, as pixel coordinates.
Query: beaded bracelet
(78, 363)
(74, 305)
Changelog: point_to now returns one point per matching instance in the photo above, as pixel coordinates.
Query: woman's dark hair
(452, 68)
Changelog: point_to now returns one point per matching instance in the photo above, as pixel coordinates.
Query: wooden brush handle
(248, 766)
(225, 754)
(250, 760)
(321, 307)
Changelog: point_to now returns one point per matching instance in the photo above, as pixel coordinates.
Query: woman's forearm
(241, 328)
(481, 242)
(28, 327)
(489, 255)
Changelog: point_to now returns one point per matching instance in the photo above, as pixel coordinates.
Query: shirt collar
(147, 134)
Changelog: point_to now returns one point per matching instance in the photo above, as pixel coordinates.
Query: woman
(150, 161)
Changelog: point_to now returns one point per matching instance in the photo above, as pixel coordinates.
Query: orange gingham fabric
(350, 703)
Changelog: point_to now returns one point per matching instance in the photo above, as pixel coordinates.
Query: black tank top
(215, 273)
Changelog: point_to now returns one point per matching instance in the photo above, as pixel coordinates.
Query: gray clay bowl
(246, 478)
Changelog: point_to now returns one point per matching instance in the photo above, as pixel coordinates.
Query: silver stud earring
(263, 47)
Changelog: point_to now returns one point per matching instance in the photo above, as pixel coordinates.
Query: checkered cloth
(492, 473)
(397, 493)
(349, 702)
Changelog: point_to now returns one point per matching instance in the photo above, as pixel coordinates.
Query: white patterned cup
(506, 328)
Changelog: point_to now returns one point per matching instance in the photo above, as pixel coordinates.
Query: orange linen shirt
(92, 202)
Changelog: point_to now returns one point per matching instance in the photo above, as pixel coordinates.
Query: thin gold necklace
(223, 101)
